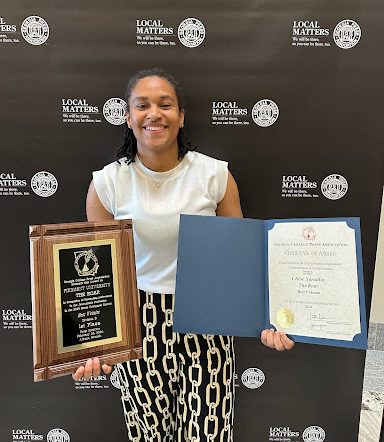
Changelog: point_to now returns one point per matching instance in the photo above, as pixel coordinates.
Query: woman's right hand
(91, 368)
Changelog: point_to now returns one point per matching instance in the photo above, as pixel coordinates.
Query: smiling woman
(156, 96)
(183, 388)
(155, 119)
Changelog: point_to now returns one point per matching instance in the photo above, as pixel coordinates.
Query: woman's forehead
(154, 85)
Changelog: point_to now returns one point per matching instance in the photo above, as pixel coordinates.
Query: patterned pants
(183, 388)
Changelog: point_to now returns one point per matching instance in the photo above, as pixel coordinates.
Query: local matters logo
(286, 434)
(114, 111)
(347, 34)
(333, 187)
(308, 28)
(34, 30)
(9, 179)
(282, 434)
(253, 378)
(229, 113)
(8, 32)
(312, 33)
(264, 113)
(14, 319)
(191, 32)
(152, 27)
(314, 434)
(27, 435)
(58, 435)
(78, 110)
(81, 110)
(24, 435)
(79, 105)
(6, 27)
(16, 315)
(155, 32)
(42, 183)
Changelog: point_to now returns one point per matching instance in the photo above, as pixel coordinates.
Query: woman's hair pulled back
(129, 146)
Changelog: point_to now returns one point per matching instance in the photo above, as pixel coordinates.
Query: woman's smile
(155, 129)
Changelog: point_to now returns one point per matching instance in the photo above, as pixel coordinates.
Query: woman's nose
(154, 112)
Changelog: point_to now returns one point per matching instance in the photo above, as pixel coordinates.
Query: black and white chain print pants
(183, 388)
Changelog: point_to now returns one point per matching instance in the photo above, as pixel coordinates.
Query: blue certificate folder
(222, 278)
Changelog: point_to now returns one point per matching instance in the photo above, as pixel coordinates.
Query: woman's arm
(230, 204)
(95, 210)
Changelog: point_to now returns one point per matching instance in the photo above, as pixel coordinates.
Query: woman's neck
(159, 162)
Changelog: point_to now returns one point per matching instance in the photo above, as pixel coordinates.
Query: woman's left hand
(276, 339)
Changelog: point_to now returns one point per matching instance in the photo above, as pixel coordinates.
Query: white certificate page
(313, 279)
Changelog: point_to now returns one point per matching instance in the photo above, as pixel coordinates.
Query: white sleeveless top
(154, 201)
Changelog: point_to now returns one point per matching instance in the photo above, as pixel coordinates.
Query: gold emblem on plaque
(285, 317)
(82, 263)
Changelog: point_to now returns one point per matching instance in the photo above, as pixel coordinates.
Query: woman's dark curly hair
(129, 146)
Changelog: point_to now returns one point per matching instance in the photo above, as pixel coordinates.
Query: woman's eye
(166, 105)
(140, 106)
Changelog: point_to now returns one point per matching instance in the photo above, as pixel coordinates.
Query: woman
(183, 387)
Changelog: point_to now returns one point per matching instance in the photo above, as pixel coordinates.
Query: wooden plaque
(84, 296)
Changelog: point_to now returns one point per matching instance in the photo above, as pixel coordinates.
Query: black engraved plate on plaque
(87, 299)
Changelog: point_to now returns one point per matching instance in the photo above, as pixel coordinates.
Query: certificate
(313, 280)
(301, 276)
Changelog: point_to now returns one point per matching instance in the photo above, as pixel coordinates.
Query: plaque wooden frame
(49, 362)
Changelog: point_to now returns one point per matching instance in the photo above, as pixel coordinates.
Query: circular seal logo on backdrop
(114, 111)
(35, 30)
(191, 32)
(253, 378)
(265, 112)
(314, 434)
(58, 435)
(347, 34)
(44, 184)
(114, 378)
(334, 186)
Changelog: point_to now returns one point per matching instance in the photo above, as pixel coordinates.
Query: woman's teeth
(154, 128)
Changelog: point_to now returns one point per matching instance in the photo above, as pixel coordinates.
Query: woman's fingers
(96, 367)
(91, 368)
(267, 338)
(276, 339)
(106, 368)
(269, 341)
(288, 343)
(78, 374)
(263, 337)
(88, 369)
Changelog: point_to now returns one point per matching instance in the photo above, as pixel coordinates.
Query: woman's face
(154, 115)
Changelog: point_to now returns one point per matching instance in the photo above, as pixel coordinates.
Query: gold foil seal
(285, 317)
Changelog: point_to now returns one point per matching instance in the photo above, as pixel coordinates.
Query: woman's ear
(181, 119)
(128, 118)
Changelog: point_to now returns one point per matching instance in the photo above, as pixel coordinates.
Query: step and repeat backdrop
(289, 93)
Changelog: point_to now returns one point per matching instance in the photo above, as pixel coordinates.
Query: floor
(373, 389)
